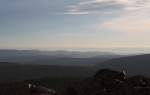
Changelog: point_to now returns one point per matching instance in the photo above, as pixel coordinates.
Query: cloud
(100, 6)
(78, 8)
(132, 16)
(94, 7)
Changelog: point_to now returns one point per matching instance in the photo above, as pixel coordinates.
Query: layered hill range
(29, 64)
(71, 58)
(16, 65)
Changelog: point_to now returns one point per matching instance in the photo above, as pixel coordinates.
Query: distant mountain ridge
(57, 53)
(55, 57)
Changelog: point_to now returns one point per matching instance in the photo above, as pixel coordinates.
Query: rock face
(40, 90)
(109, 82)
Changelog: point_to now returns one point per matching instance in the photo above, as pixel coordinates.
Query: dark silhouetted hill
(139, 64)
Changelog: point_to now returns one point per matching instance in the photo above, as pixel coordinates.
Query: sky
(74, 24)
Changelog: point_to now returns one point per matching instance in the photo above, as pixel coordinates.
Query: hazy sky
(63, 24)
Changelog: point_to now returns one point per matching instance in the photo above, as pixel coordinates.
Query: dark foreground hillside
(15, 88)
(15, 71)
(104, 82)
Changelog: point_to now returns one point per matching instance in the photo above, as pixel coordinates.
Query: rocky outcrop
(40, 90)
(109, 82)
